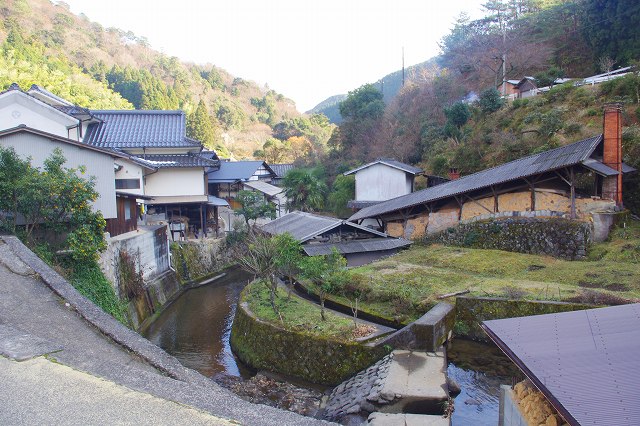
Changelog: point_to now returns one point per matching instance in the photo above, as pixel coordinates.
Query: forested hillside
(44, 43)
(435, 122)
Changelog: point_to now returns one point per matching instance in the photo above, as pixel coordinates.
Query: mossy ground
(405, 286)
(296, 313)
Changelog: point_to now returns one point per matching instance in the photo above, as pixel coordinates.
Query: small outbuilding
(320, 234)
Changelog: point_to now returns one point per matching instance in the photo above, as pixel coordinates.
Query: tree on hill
(200, 127)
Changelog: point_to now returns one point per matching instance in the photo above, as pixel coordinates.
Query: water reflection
(196, 327)
(479, 369)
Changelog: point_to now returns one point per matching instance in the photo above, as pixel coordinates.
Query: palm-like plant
(304, 190)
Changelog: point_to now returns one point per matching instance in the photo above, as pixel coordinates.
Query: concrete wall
(100, 165)
(510, 414)
(148, 245)
(176, 181)
(380, 182)
(17, 108)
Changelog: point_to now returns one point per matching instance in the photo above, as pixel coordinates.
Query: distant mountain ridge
(389, 85)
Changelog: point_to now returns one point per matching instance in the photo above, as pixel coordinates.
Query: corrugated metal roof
(391, 163)
(599, 167)
(263, 187)
(177, 160)
(360, 204)
(585, 362)
(139, 128)
(281, 169)
(304, 226)
(233, 171)
(356, 246)
(524, 167)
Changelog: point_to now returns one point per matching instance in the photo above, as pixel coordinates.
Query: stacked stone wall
(553, 236)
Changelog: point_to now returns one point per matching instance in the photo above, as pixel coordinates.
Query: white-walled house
(382, 180)
(172, 170)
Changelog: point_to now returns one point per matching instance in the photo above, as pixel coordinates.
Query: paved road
(71, 369)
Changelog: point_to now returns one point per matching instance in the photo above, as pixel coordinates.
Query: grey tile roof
(136, 129)
(391, 163)
(356, 246)
(569, 355)
(554, 159)
(176, 160)
(281, 169)
(233, 171)
(304, 226)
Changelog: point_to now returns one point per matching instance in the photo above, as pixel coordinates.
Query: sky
(306, 50)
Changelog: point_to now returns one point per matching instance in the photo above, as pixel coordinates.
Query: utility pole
(402, 66)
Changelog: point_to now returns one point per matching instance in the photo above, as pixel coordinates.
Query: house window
(129, 209)
(127, 183)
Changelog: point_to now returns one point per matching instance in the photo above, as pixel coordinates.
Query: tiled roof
(391, 163)
(586, 363)
(233, 171)
(176, 160)
(554, 159)
(305, 226)
(281, 169)
(136, 129)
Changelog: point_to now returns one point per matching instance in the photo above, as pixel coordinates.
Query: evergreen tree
(200, 126)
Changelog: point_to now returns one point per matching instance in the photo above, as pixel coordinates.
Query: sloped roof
(263, 187)
(36, 88)
(554, 159)
(281, 169)
(356, 246)
(305, 226)
(585, 362)
(23, 128)
(391, 163)
(139, 128)
(233, 171)
(176, 160)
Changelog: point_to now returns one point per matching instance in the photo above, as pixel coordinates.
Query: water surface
(196, 327)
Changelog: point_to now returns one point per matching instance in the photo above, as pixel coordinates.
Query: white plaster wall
(16, 110)
(176, 181)
(380, 182)
(97, 164)
(130, 170)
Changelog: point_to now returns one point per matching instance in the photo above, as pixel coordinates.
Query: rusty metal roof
(554, 159)
(587, 363)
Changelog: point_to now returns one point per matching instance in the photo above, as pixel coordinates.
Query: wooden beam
(495, 199)
(484, 207)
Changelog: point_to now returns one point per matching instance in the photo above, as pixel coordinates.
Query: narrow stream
(196, 327)
(479, 369)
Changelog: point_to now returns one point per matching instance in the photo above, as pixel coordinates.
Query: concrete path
(384, 419)
(416, 379)
(40, 313)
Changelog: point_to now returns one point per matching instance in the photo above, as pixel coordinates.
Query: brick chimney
(454, 174)
(612, 152)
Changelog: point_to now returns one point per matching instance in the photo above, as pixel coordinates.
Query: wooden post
(215, 219)
(573, 193)
(495, 200)
(202, 222)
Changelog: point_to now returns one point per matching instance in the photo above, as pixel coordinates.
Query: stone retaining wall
(471, 311)
(194, 260)
(318, 360)
(554, 236)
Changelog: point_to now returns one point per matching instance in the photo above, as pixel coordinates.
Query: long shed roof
(233, 171)
(531, 165)
(356, 246)
(585, 362)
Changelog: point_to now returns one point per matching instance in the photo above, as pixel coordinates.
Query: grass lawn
(405, 286)
(296, 313)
